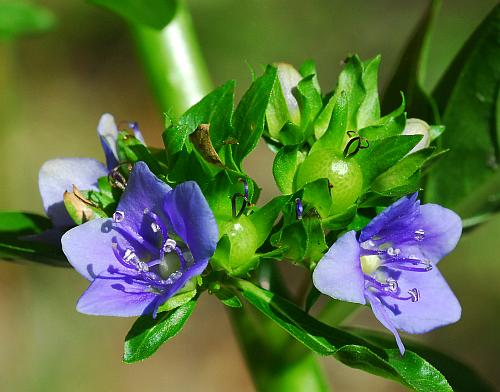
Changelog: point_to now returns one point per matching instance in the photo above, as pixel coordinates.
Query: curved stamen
(157, 224)
(299, 208)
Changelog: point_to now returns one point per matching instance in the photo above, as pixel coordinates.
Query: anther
(170, 245)
(299, 208)
(392, 285)
(415, 294)
(419, 234)
(155, 227)
(393, 252)
(118, 216)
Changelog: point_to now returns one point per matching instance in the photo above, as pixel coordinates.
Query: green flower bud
(344, 175)
(236, 249)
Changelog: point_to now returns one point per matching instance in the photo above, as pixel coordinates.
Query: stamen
(392, 285)
(393, 252)
(415, 294)
(118, 216)
(299, 208)
(361, 143)
(419, 235)
(169, 245)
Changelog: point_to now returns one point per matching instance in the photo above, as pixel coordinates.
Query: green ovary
(344, 175)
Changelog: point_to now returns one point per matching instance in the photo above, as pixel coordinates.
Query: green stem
(173, 62)
(276, 362)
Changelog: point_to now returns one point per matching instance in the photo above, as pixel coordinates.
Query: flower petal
(117, 292)
(382, 315)
(339, 274)
(436, 307)
(442, 229)
(108, 134)
(88, 247)
(59, 175)
(192, 219)
(144, 191)
(394, 220)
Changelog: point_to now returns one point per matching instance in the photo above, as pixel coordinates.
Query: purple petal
(442, 229)
(436, 307)
(108, 134)
(383, 316)
(88, 247)
(117, 292)
(144, 191)
(192, 219)
(394, 220)
(59, 175)
(339, 274)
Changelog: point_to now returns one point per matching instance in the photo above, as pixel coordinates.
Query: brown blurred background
(56, 86)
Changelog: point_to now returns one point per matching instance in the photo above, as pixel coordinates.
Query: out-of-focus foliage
(19, 18)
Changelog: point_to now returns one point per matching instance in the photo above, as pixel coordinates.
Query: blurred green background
(53, 88)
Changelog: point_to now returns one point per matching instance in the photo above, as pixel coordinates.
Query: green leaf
(383, 154)
(177, 300)
(151, 13)
(130, 149)
(410, 74)
(249, 116)
(460, 376)
(285, 165)
(468, 180)
(215, 109)
(16, 244)
(410, 370)
(21, 18)
(148, 334)
(228, 297)
(392, 124)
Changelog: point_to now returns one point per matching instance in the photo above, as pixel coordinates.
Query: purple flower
(59, 175)
(392, 266)
(157, 241)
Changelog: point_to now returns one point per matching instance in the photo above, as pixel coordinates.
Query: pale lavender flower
(59, 175)
(157, 241)
(392, 266)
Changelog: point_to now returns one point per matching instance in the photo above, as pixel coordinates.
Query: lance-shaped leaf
(25, 236)
(410, 370)
(460, 376)
(285, 165)
(410, 74)
(468, 180)
(148, 334)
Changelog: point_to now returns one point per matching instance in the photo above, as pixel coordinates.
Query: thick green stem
(173, 62)
(275, 361)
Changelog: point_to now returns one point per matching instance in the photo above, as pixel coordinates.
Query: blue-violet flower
(59, 175)
(157, 240)
(392, 266)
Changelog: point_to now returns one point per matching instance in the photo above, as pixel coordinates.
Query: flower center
(382, 264)
(159, 264)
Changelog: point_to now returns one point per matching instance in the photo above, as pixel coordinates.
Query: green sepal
(382, 155)
(214, 109)
(131, 150)
(249, 116)
(310, 104)
(391, 124)
(228, 297)
(285, 165)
